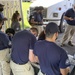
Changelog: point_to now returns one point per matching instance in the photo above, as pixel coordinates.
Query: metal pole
(22, 14)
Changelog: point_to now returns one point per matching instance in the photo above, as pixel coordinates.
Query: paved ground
(69, 49)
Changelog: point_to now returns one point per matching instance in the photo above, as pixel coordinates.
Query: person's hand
(71, 19)
(36, 22)
(68, 69)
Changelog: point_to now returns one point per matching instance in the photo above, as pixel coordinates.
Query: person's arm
(33, 22)
(32, 57)
(65, 71)
(64, 63)
(68, 18)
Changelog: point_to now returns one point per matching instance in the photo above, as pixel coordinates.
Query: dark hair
(10, 30)
(51, 29)
(41, 8)
(41, 36)
(15, 15)
(34, 29)
(36, 8)
(1, 5)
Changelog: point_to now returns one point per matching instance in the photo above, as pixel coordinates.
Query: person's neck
(50, 39)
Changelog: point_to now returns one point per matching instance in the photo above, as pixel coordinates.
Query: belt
(3, 48)
(20, 63)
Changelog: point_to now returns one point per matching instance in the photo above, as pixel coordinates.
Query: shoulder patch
(67, 62)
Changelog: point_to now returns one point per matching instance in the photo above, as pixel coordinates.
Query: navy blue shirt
(16, 26)
(4, 41)
(51, 57)
(21, 43)
(37, 17)
(70, 13)
(1, 16)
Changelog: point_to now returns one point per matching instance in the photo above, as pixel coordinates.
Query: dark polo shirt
(21, 43)
(70, 13)
(4, 41)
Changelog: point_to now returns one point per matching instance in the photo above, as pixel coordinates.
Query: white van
(54, 11)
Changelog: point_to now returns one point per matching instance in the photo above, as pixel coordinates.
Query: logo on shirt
(67, 62)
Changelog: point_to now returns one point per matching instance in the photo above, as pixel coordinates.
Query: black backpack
(30, 17)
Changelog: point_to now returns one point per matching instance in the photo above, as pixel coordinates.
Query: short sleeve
(5, 40)
(68, 13)
(64, 61)
(1, 16)
(35, 49)
(32, 42)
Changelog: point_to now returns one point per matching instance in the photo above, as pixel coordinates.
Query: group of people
(6, 38)
(26, 49)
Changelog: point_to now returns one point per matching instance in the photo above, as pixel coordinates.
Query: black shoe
(62, 45)
(70, 43)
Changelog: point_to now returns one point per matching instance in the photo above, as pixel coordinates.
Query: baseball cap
(51, 27)
(1, 5)
(36, 8)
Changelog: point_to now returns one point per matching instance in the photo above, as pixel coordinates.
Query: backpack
(30, 17)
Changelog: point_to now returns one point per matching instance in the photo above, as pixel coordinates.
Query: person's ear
(56, 35)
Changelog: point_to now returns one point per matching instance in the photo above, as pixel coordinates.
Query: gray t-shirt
(16, 26)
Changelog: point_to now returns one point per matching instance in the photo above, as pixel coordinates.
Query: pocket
(28, 66)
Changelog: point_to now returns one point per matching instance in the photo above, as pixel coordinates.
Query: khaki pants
(69, 32)
(40, 73)
(25, 69)
(4, 65)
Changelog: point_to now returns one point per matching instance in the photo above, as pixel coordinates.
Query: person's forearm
(36, 59)
(65, 71)
(68, 18)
